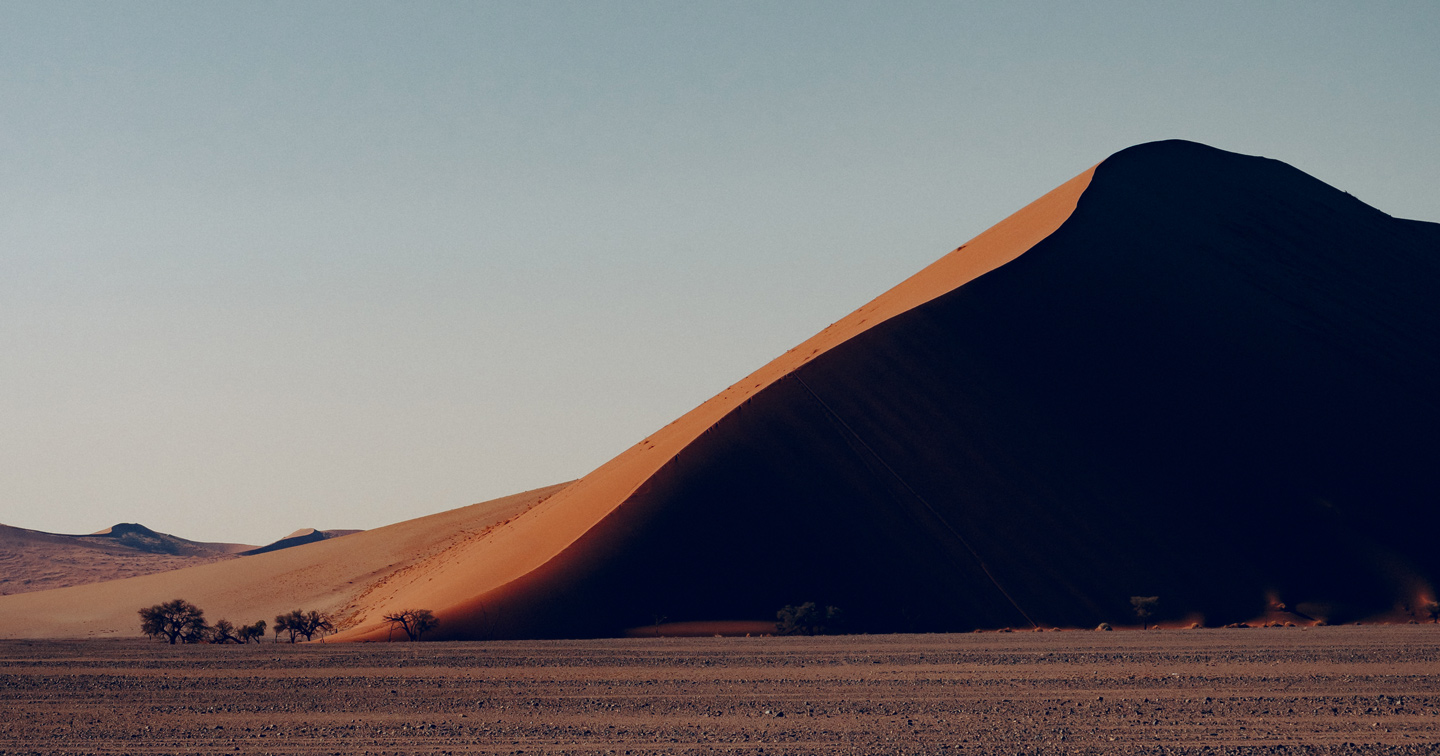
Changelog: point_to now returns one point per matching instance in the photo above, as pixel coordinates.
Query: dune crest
(458, 586)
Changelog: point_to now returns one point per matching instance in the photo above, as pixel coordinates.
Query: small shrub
(1103, 627)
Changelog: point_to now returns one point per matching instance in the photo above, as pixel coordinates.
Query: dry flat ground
(1292, 691)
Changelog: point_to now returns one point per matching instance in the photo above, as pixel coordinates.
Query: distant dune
(335, 575)
(299, 537)
(1185, 373)
(34, 561)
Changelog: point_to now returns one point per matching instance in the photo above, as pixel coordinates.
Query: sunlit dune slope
(1213, 381)
(333, 575)
(501, 586)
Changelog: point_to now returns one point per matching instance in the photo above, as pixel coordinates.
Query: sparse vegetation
(415, 622)
(1144, 608)
(806, 619)
(223, 632)
(177, 620)
(255, 632)
(180, 621)
(300, 622)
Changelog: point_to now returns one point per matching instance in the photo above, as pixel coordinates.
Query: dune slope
(334, 575)
(1211, 382)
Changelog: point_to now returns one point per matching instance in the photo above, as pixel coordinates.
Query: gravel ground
(1327, 690)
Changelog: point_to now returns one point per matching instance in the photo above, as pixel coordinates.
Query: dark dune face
(1215, 383)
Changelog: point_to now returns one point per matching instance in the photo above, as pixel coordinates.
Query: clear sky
(266, 266)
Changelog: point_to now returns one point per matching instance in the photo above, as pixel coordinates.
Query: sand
(333, 575)
(1185, 373)
(1320, 691)
(34, 561)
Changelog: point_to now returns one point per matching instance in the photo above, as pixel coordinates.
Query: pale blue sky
(267, 266)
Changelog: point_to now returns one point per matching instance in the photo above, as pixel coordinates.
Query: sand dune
(34, 561)
(1185, 373)
(330, 575)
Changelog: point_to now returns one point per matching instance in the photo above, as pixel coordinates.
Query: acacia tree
(255, 632)
(174, 620)
(316, 623)
(1431, 608)
(223, 632)
(291, 623)
(308, 624)
(1144, 607)
(415, 622)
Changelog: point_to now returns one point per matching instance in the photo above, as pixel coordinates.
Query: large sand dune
(1184, 373)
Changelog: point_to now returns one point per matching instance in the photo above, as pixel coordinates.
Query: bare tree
(415, 622)
(174, 620)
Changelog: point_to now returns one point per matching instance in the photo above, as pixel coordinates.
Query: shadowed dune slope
(1213, 381)
(529, 579)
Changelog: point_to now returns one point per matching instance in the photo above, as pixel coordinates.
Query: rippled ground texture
(1292, 691)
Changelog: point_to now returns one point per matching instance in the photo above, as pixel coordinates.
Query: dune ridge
(1206, 378)
(1185, 373)
(533, 540)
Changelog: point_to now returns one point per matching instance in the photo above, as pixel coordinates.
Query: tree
(300, 622)
(806, 619)
(254, 632)
(1144, 607)
(1432, 608)
(415, 622)
(174, 620)
(223, 632)
(292, 623)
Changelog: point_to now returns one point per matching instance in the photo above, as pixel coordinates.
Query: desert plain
(1315, 690)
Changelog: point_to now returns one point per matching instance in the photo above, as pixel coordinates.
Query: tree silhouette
(174, 620)
(415, 622)
(1144, 607)
(806, 619)
(223, 632)
(255, 632)
(316, 623)
(1432, 608)
(291, 623)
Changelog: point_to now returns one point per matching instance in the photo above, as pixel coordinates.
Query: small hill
(31, 560)
(299, 537)
(140, 538)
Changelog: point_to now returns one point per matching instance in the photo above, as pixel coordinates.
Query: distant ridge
(298, 538)
(141, 538)
(31, 560)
